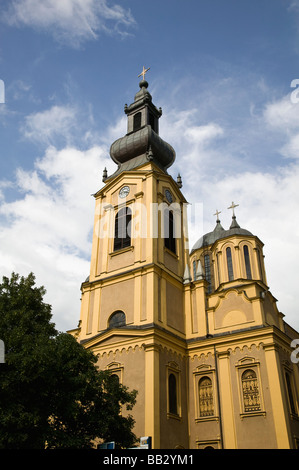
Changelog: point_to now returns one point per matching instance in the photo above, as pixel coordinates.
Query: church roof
(219, 232)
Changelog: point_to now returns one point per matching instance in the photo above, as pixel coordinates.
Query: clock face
(124, 191)
(168, 195)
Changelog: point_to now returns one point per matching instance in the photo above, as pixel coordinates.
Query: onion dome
(142, 142)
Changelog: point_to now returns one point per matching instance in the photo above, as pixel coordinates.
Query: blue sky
(222, 71)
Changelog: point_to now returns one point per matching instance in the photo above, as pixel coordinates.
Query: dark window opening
(208, 273)
(169, 239)
(194, 270)
(290, 394)
(122, 231)
(117, 319)
(137, 121)
(172, 395)
(247, 262)
(229, 264)
(115, 379)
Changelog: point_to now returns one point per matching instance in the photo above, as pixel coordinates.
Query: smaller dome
(218, 233)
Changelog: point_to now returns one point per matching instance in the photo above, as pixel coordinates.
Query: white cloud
(70, 21)
(283, 117)
(47, 228)
(46, 126)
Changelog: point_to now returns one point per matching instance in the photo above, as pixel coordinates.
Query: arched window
(137, 122)
(117, 319)
(115, 378)
(247, 262)
(172, 394)
(251, 396)
(208, 272)
(122, 229)
(194, 270)
(290, 394)
(169, 239)
(205, 393)
(229, 264)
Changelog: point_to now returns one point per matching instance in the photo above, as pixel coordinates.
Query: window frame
(247, 262)
(198, 374)
(229, 264)
(291, 391)
(173, 369)
(120, 242)
(169, 230)
(121, 324)
(249, 363)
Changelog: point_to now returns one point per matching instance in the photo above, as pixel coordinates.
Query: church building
(196, 332)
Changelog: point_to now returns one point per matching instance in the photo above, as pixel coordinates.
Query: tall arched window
(208, 272)
(122, 229)
(169, 239)
(205, 393)
(290, 394)
(194, 270)
(172, 394)
(251, 395)
(117, 319)
(247, 262)
(229, 264)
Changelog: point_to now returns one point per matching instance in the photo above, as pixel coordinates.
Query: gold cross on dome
(217, 213)
(233, 207)
(143, 72)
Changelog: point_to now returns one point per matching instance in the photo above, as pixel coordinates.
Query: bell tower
(132, 305)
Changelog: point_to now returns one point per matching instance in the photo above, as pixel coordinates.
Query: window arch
(117, 319)
(208, 272)
(169, 239)
(115, 378)
(194, 270)
(229, 261)
(250, 389)
(247, 262)
(172, 394)
(205, 393)
(122, 228)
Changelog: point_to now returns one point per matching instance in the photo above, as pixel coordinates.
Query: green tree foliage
(51, 392)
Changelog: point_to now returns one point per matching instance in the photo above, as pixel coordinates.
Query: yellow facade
(197, 333)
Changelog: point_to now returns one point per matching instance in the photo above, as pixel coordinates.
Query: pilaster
(276, 389)
(152, 394)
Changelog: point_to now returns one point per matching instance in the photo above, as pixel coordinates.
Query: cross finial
(217, 213)
(233, 207)
(143, 72)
